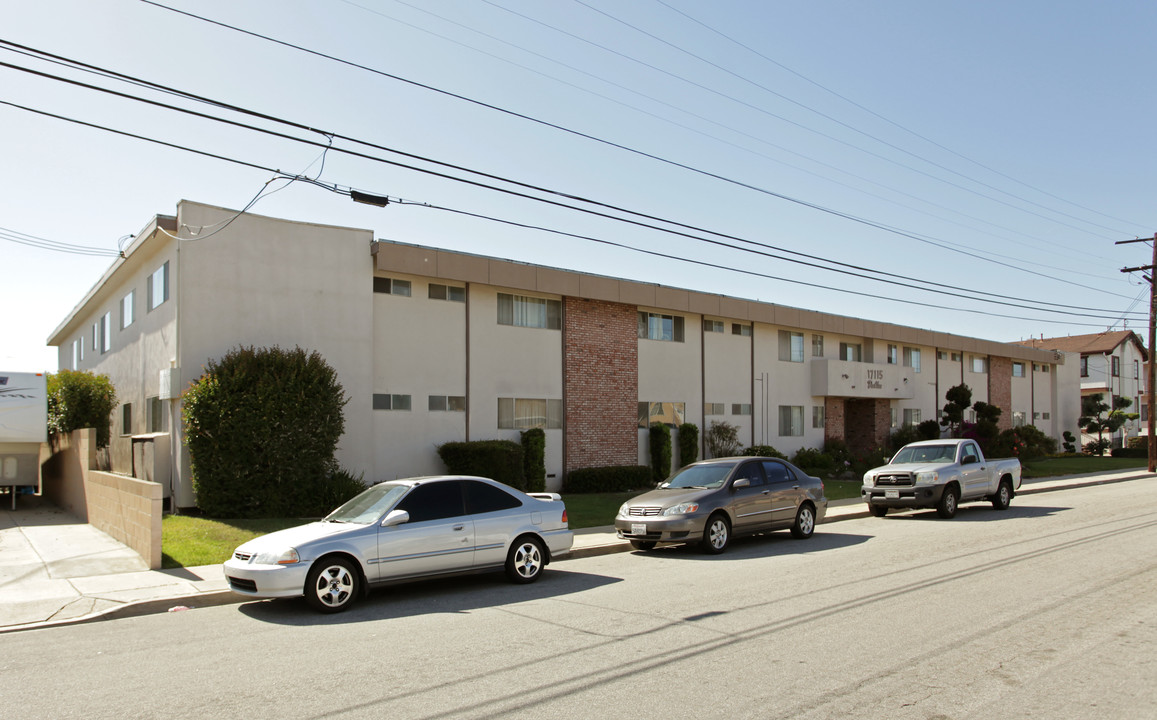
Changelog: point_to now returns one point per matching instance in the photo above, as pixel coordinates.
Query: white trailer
(23, 430)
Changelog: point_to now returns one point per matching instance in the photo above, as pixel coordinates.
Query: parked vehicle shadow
(978, 513)
(770, 544)
(449, 595)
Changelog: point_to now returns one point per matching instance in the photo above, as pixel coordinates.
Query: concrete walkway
(56, 570)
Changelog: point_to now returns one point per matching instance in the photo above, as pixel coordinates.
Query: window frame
(649, 330)
(794, 421)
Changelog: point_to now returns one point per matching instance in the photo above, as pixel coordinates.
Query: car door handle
(459, 528)
(766, 492)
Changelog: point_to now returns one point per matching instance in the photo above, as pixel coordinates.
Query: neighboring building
(1112, 364)
(433, 346)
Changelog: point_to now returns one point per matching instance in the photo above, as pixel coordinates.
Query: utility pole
(1151, 365)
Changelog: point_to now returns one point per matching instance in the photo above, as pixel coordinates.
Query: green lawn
(189, 541)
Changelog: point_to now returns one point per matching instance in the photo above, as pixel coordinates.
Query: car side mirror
(395, 517)
(740, 483)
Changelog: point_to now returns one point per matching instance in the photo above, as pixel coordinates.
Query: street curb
(227, 597)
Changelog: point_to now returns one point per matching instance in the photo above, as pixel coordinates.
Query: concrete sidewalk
(56, 570)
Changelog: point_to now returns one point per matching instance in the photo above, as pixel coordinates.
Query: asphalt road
(1048, 610)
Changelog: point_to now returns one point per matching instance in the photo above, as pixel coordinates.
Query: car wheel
(643, 545)
(805, 522)
(1003, 496)
(331, 585)
(716, 535)
(878, 510)
(946, 508)
(525, 560)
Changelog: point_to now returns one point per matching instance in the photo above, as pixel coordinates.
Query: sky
(961, 167)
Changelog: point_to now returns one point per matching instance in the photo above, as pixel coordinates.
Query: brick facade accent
(1000, 389)
(834, 422)
(866, 423)
(600, 383)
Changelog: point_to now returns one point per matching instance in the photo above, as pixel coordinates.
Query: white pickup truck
(940, 474)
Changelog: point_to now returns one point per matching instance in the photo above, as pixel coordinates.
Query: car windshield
(370, 505)
(925, 454)
(707, 476)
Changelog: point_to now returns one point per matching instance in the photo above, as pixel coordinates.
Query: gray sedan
(711, 501)
(402, 530)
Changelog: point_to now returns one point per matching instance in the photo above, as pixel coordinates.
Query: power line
(15, 236)
(852, 270)
(400, 201)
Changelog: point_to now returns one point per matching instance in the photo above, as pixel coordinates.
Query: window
(911, 417)
(979, 364)
(527, 413)
(745, 331)
(790, 420)
(434, 501)
(851, 352)
(155, 420)
(1084, 366)
(1045, 368)
(1044, 416)
(77, 353)
(1116, 366)
(955, 357)
(96, 336)
(713, 409)
(1136, 370)
(941, 355)
(668, 413)
(893, 417)
(1018, 369)
(653, 326)
(818, 419)
(484, 498)
(817, 345)
(790, 346)
(105, 333)
(912, 358)
(530, 312)
(127, 310)
(383, 401)
(158, 287)
(447, 292)
(741, 408)
(1018, 419)
(447, 403)
(970, 415)
(389, 286)
(715, 326)
(127, 419)
(893, 355)
(776, 472)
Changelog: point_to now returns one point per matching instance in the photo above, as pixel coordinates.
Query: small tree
(81, 399)
(722, 439)
(959, 399)
(1098, 417)
(660, 452)
(1070, 442)
(534, 459)
(688, 443)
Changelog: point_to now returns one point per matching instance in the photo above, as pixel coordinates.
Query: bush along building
(433, 346)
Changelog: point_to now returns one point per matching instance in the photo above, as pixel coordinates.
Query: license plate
(638, 528)
(892, 494)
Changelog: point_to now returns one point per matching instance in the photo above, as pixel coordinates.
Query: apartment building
(432, 346)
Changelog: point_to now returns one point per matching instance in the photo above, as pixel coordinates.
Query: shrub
(928, 430)
(764, 451)
(499, 460)
(534, 459)
(722, 439)
(262, 426)
(1070, 443)
(688, 443)
(608, 479)
(838, 451)
(871, 459)
(814, 461)
(1130, 452)
(80, 399)
(904, 435)
(1096, 447)
(339, 487)
(1141, 441)
(660, 451)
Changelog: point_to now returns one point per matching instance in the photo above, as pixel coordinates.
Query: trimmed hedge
(688, 444)
(262, 426)
(660, 452)
(1131, 452)
(500, 460)
(534, 459)
(81, 399)
(764, 451)
(617, 478)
